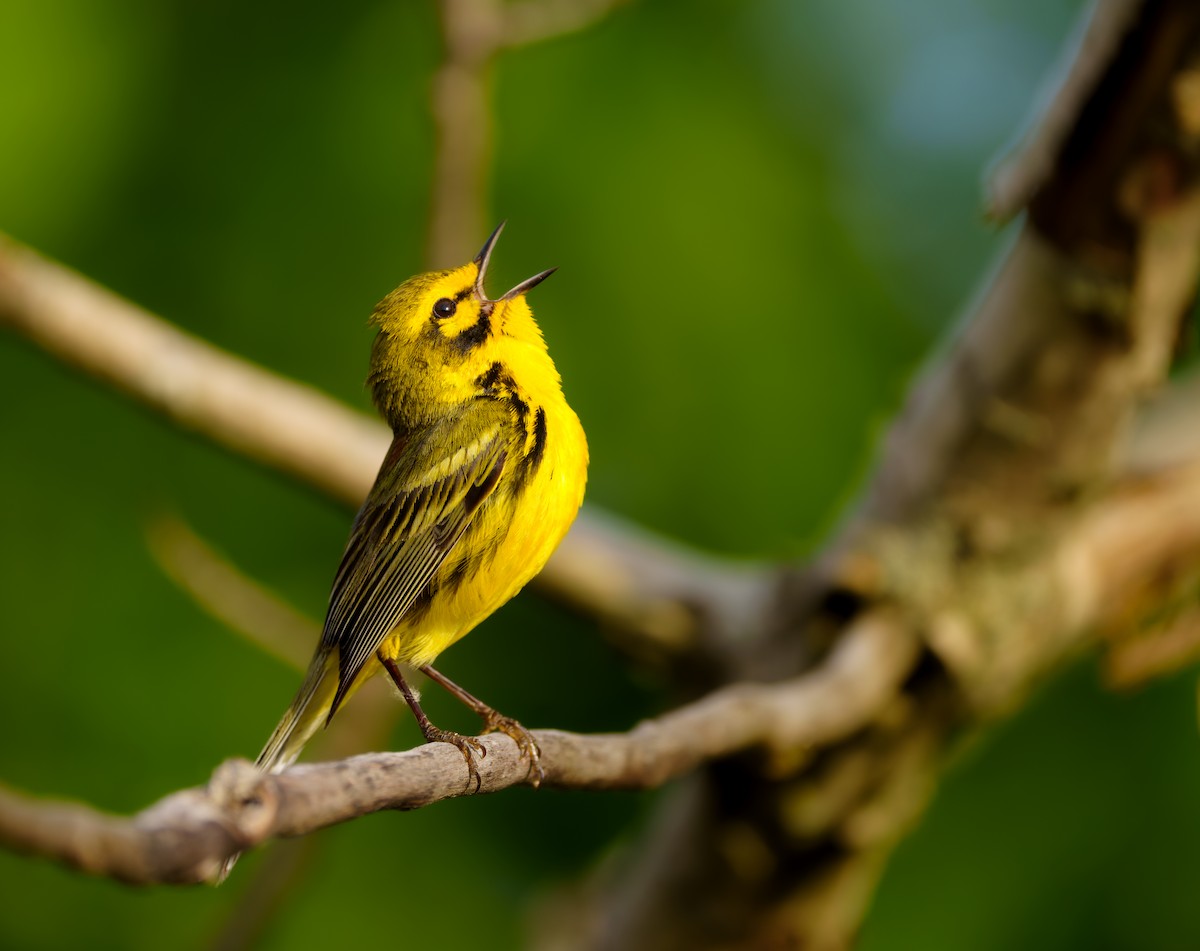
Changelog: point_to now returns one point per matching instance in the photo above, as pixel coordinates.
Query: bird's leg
(494, 722)
(467, 745)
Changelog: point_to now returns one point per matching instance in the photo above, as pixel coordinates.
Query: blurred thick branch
(997, 515)
(1024, 508)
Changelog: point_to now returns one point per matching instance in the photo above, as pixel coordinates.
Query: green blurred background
(765, 214)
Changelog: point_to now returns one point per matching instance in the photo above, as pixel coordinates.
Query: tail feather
(307, 714)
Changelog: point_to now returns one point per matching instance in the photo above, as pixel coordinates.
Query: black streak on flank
(489, 382)
(467, 566)
(476, 334)
(497, 383)
(533, 458)
(461, 573)
(520, 407)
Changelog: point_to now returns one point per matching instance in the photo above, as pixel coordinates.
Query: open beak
(484, 257)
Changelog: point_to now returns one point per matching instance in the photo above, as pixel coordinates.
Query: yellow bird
(484, 476)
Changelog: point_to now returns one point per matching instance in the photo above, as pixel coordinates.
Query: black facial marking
(476, 334)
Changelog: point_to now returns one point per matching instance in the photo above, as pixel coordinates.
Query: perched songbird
(483, 478)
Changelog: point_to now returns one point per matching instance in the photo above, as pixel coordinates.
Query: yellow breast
(510, 540)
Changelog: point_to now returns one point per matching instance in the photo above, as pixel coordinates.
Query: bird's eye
(444, 308)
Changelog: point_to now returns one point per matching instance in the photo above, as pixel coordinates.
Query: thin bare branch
(463, 124)
(474, 33)
(533, 21)
(186, 836)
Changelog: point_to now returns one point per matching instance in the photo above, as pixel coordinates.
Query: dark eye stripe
(474, 335)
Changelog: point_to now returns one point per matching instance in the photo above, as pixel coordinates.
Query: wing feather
(422, 502)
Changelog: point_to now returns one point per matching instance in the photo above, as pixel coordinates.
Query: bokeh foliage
(765, 213)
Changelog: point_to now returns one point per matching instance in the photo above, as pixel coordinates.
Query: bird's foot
(494, 722)
(469, 746)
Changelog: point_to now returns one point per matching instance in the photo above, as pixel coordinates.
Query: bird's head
(439, 332)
